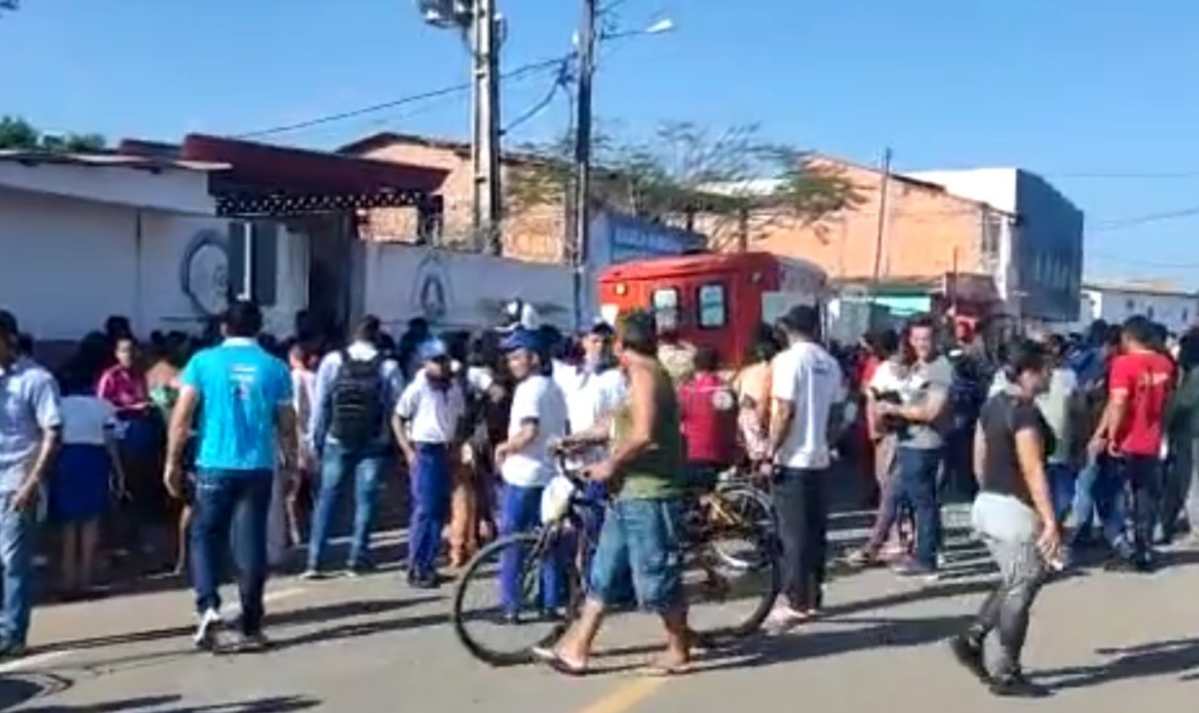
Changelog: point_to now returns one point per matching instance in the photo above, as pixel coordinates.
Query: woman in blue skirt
(87, 472)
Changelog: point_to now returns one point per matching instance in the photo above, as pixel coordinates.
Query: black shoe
(425, 581)
(11, 649)
(1017, 686)
(360, 569)
(250, 643)
(1144, 564)
(1120, 564)
(970, 655)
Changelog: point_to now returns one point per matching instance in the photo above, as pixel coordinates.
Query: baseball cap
(431, 349)
(521, 339)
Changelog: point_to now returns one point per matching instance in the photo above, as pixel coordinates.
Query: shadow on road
(877, 633)
(295, 617)
(1158, 658)
(174, 704)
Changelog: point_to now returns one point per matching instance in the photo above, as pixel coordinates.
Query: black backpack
(357, 402)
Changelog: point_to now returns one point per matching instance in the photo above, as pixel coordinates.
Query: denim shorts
(643, 536)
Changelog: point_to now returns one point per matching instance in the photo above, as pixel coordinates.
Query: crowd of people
(242, 442)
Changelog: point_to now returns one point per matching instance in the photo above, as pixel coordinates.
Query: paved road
(1104, 642)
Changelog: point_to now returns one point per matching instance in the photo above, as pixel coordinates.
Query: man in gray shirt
(30, 430)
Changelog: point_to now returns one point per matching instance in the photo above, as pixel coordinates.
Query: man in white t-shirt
(593, 389)
(426, 428)
(807, 389)
(538, 417)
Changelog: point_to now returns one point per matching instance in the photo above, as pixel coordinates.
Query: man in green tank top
(643, 526)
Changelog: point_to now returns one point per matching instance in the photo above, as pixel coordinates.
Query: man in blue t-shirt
(244, 399)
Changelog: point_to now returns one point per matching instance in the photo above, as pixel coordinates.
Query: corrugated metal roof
(108, 160)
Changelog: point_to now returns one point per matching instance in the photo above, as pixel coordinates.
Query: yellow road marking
(627, 696)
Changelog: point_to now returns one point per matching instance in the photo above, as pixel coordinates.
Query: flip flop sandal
(665, 671)
(550, 658)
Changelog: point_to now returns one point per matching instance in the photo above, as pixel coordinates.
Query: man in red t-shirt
(1131, 429)
(708, 419)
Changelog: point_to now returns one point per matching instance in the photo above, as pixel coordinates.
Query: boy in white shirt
(426, 428)
(538, 418)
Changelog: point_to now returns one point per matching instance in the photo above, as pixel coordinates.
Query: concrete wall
(535, 234)
(923, 230)
(1049, 252)
(456, 290)
(70, 263)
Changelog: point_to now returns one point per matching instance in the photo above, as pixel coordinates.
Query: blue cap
(521, 339)
(431, 349)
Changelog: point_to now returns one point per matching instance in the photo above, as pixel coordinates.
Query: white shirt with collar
(432, 412)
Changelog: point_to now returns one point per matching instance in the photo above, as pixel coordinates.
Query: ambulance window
(666, 308)
(711, 306)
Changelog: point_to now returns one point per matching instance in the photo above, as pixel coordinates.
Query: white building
(84, 237)
(1040, 261)
(1114, 303)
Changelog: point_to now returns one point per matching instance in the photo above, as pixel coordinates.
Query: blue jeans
(337, 464)
(231, 503)
(1061, 487)
(520, 511)
(916, 481)
(1099, 490)
(17, 531)
(430, 483)
(645, 536)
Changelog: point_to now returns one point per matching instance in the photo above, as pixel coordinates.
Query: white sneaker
(783, 618)
(206, 630)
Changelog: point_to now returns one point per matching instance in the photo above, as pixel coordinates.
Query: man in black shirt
(1014, 515)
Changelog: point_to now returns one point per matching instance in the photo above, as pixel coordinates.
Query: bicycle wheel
(732, 574)
(544, 597)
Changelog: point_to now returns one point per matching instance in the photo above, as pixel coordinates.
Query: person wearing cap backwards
(538, 417)
(426, 426)
(30, 432)
(356, 388)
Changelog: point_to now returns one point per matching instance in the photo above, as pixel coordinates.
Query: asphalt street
(1102, 642)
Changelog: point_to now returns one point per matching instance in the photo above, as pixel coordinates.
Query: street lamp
(585, 39)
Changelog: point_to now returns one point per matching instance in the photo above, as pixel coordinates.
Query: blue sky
(1097, 95)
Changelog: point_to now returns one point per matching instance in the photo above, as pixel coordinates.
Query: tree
(17, 133)
(732, 186)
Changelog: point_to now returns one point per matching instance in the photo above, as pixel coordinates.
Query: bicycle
(731, 574)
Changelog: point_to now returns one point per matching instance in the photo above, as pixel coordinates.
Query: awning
(276, 180)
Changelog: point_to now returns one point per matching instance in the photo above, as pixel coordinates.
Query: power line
(560, 82)
(444, 91)
(1132, 222)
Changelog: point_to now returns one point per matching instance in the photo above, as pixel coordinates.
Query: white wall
(400, 284)
(1178, 312)
(68, 264)
(169, 189)
(995, 186)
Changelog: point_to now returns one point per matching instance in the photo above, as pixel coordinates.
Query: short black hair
(801, 319)
(368, 329)
(638, 332)
(883, 342)
(1139, 329)
(9, 328)
(1024, 355)
(243, 319)
(1097, 333)
(706, 358)
(1055, 344)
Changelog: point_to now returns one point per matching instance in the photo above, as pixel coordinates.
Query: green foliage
(730, 185)
(17, 133)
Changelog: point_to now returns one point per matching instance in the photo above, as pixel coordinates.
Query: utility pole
(482, 31)
(882, 222)
(582, 236)
(485, 146)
